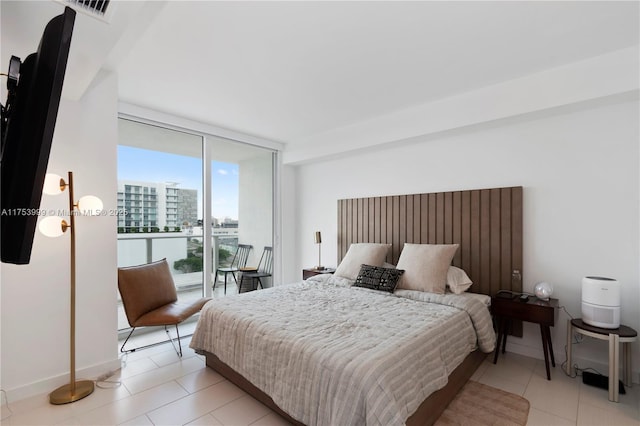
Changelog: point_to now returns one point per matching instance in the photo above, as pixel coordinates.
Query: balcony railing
(140, 248)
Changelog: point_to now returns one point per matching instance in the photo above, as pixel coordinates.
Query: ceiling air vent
(95, 8)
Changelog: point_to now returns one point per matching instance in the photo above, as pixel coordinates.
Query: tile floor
(158, 388)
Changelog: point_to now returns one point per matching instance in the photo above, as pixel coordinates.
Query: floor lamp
(54, 226)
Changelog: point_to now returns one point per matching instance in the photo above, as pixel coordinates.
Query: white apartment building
(155, 205)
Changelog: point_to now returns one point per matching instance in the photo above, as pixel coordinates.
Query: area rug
(478, 404)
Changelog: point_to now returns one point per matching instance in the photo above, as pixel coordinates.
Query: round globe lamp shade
(52, 226)
(53, 184)
(543, 290)
(90, 205)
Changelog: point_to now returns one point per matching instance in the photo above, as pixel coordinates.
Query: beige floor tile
(138, 421)
(271, 419)
(72, 421)
(41, 414)
(100, 397)
(499, 382)
(628, 404)
(134, 406)
(206, 420)
(134, 367)
(589, 415)
(513, 359)
(553, 396)
(241, 412)
(512, 367)
(169, 357)
(199, 380)
(196, 405)
(557, 373)
(37, 410)
(480, 371)
(542, 418)
(161, 375)
(10, 408)
(142, 353)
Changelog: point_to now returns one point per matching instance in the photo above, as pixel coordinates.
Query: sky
(154, 166)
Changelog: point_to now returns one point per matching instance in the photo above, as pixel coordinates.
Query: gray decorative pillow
(378, 278)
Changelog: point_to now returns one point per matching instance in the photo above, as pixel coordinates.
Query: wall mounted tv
(28, 119)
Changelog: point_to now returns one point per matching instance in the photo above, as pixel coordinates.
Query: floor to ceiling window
(241, 204)
(185, 194)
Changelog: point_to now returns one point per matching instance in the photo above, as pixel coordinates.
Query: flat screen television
(28, 119)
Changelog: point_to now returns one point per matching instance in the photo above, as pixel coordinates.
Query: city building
(155, 205)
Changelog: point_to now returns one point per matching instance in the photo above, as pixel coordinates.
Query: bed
(326, 352)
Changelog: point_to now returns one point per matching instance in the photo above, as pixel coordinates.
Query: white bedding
(331, 354)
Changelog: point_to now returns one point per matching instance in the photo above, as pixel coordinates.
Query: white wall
(579, 170)
(35, 297)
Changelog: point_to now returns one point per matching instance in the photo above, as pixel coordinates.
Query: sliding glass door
(241, 206)
(185, 194)
(160, 197)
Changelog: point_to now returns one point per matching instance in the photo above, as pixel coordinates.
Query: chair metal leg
(178, 349)
(125, 342)
(179, 344)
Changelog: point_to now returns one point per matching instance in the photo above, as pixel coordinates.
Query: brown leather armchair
(150, 299)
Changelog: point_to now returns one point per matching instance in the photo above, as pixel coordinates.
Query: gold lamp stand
(75, 389)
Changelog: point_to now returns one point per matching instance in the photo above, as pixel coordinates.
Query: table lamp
(318, 240)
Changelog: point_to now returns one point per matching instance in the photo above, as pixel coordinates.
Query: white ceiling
(288, 70)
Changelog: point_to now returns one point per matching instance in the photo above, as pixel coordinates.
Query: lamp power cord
(103, 381)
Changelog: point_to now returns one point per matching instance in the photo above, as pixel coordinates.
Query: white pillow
(457, 280)
(358, 254)
(425, 266)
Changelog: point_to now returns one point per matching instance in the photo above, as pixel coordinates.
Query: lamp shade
(543, 290)
(52, 226)
(90, 205)
(53, 184)
(318, 237)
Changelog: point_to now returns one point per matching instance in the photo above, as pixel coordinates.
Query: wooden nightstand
(543, 312)
(310, 272)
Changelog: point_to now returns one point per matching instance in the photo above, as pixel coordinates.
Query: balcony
(135, 249)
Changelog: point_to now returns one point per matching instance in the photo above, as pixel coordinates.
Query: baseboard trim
(602, 366)
(47, 385)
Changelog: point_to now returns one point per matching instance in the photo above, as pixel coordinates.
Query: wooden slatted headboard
(487, 223)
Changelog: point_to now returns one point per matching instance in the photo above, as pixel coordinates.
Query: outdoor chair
(239, 261)
(264, 269)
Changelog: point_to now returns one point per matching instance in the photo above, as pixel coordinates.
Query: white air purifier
(601, 302)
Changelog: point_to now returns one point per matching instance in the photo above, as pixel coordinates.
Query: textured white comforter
(332, 354)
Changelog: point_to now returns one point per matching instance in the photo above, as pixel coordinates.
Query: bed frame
(487, 224)
(426, 414)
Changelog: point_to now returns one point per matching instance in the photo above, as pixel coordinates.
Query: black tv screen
(28, 122)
